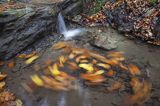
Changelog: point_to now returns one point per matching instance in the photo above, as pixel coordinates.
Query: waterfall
(61, 24)
(68, 34)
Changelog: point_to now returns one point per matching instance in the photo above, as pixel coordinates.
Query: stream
(145, 56)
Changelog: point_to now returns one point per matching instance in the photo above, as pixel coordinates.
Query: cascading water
(61, 24)
(68, 34)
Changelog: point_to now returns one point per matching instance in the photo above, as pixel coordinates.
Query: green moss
(53, 11)
(153, 2)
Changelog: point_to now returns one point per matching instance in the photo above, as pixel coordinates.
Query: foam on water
(68, 34)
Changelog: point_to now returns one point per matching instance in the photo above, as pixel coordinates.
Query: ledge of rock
(18, 32)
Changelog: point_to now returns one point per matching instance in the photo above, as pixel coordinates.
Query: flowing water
(68, 34)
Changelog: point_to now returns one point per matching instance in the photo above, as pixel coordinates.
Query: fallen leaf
(123, 67)
(37, 80)
(2, 84)
(6, 96)
(140, 96)
(27, 55)
(30, 60)
(72, 55)
(135, 84)
(60, 45)
(11, 64)
(1, 63)
(93, 78)
(115, 54)
(84, 61)
(62, 60)
(73, 66)
(54, 69)
(81, 57)
(53, 84)
(134, 70)
(19, 102)
(94, 61)
(110, 73)
(106, 66)
(2, 76)
(88, 67)
(116, 86)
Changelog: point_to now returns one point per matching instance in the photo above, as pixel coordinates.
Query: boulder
(18, 32)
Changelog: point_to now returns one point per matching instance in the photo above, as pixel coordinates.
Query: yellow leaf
(54, 70)
(36, 79)
(88, 67)
(30, 60)
(99, 72)
(62, 60)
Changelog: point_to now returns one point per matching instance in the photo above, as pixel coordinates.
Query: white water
(68, 34)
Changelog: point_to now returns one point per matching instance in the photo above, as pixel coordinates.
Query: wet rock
(71, 7)
(105, 42)
(20, 32)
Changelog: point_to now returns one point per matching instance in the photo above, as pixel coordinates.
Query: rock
(105, 42)
(71, 7)
(19, 32)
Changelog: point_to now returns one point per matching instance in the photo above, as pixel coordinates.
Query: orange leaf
(115, 54)
(110, 73)
(93, 78)
(134, 70)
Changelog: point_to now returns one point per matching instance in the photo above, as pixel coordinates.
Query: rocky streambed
(36, 32)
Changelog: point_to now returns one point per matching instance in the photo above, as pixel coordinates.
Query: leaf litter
(94, 70)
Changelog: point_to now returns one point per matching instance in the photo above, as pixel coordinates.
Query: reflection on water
(86, 101)
(62, 99)
(45, 102)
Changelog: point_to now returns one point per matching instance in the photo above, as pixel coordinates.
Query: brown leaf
(2, 84)
(110, 73)
(53, 84)
(116, 86)
(11, 64)
(2, 76)
(73, 66)
(81, 57)
(6, 96)
(60, 45)
(27, 55)
(1, 63)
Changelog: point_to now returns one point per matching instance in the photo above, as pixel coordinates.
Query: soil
(144, 55)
